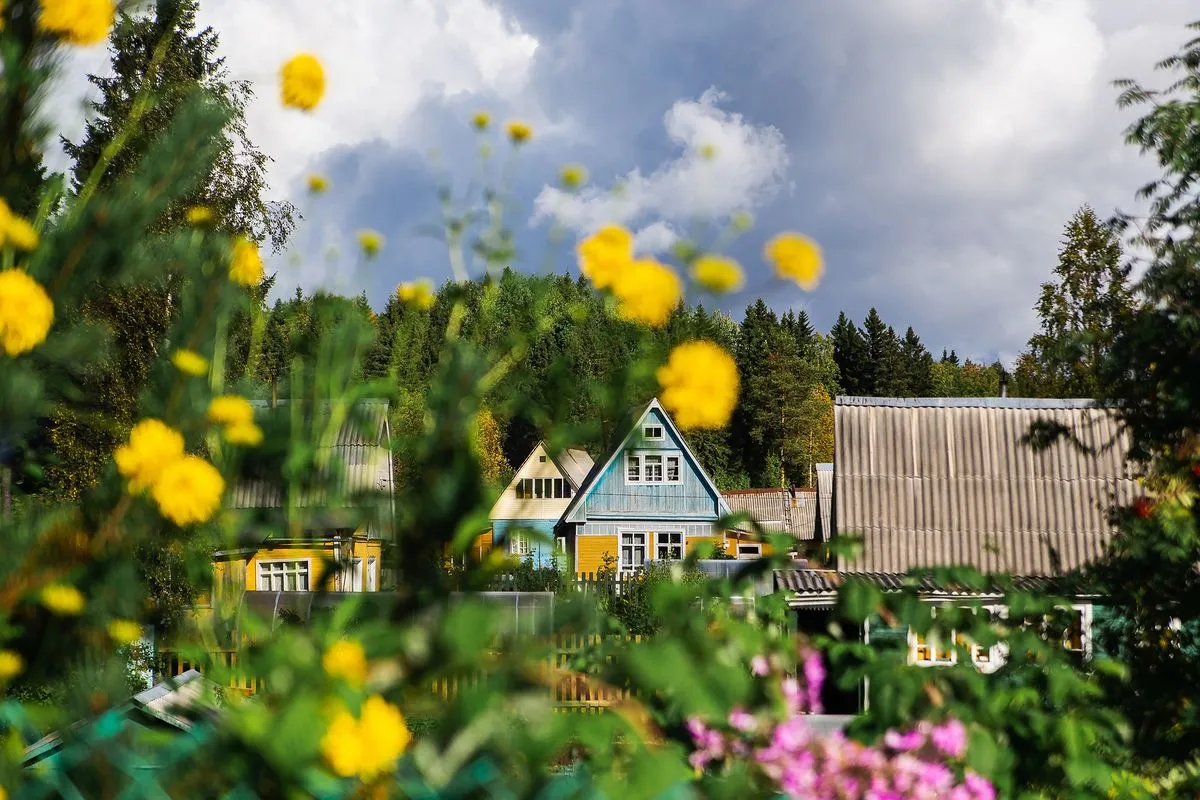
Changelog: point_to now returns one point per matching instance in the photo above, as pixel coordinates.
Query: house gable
(651, 489)
(542, 487)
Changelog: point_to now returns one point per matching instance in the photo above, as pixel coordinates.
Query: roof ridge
(968, 402)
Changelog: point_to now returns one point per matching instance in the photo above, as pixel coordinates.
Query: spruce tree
(918, 366)
(885, 366)
(850, 353)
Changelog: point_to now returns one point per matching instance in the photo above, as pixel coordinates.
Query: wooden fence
(227, 665)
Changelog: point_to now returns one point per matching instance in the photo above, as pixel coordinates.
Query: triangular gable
(581, 496)
(540, 446)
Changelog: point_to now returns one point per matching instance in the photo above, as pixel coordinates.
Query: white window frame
(518, 543)
(637, 460)
(662, 539)
(653, 437)
(352, 574)
(747, 557)
(561, 544)
(630, 567)
(985, 663)
(371, 579)
(307, 572)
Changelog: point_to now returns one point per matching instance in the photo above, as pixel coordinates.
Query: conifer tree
(850, 353)
(885, 367)
(918, 366)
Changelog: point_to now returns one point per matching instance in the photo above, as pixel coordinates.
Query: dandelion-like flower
(26, 312)
(303, 82)
(11, 665)
(718, 274)
(244, 434)
(573, 175)
(700, 388)
(418, 294)
(370, 241)
(647, 292)
(480, 120)
(346, 660)
(190, 362)
(200, 215)
(15, 230)
(796, 258)
(317, 183)
(153, 445)
(605, 254)
(230, 409)
(518, 132)
(78, 22)
(124, 631)
(189, 491)
(63, 599)
(368, 746)
(246, 264)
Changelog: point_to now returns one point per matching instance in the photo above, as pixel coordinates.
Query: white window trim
(307, 562)
(640, 455)
(738, 551)
(682, 542)
(513, 538)
(371, 577)
(662, 433)
(646, 550)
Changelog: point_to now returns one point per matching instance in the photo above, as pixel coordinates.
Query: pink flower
(814, 677)
(699, 759)
(742, 720)
(950, 738)
(792, 734)
(904, 742)
(792, 695)
(979, 787)
(935, 776)
(759, 666)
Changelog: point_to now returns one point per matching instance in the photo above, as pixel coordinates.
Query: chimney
(1003, 383)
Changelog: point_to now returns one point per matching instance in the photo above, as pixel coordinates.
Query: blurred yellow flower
(519, 132)
(346, 660)
(153, 445)
(797, 258)
(370, 241)
(190, 362)
(708, 152)
(230, 409)
(317, 183)
(200, 215)
(303, 81)
(480, 120)
(11, 665)
(718, 274)
(246, 265)
(245, 434)
(189, 490)
(418, 294)
(699, 385)
(647, 292)
(605, 254)
(124, 631)
(369, 746)
(16, 230)
(80, 22)
(63, 599)
(742, 221)
(573, 175)
(26, 312)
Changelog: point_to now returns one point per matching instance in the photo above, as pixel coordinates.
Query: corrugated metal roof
(942, 483)
(824, 501)
(824, 581)
(358, 444)
(576, 463)
(964, 402)
(778, 510)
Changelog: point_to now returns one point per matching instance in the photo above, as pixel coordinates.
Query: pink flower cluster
(805, 764)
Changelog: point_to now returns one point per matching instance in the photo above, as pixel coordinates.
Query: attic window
(542, 459)
(653, 432)
(642, 467)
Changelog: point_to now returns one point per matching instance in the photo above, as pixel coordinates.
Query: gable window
(542, 459)
(652, 468)
(749, 551)
(283, 576)
(669, 547)
(633, 551)
(653, 432)
(672, 469)
(633, 469)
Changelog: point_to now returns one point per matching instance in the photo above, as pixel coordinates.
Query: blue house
(647, 500)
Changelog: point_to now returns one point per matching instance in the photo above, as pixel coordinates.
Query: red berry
(1196, 469)
(1143, 507)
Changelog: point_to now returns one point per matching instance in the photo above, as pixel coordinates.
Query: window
(749, 551)
(633, 551)
(559, 488)
(352, 576)
(518, 543)
(562, 544)
(652, 468)
(633, 469)
(371, 579)
(283, 576)
(934, 649)
(653, 432)
(669, 547)
(672, 469)
(542, 459)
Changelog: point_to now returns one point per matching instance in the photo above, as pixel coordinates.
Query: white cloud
(657, 237)
(726, 164)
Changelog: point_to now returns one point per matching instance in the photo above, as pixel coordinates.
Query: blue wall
(542, 549)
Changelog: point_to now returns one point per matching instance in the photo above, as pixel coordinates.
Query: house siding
(227, 570)
(541, 548)
(510, 507)
(590, 550)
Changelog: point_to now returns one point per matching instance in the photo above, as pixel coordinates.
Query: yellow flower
(480, 120)
(418, 294)
(230, 409)
(200, 215)
(246, 434)
(370, 241)
(317, 183)
(699, 385)
(124, 631)
(573, 176)
(303, 82)
(346, 660)
(16, 230)
(647, 292)
(190, 362)
(718, 274)
(26, 312)
(519, 132)
(369, 746)
(189, 490)
(63, 599)
(11, 665)
(605, 254)
(80, 22)
(246, 266)
(797, 258)
(153, 445)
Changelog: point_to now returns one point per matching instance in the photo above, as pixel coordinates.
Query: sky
(934, 148)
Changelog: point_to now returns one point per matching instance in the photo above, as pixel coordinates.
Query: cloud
(723, 164)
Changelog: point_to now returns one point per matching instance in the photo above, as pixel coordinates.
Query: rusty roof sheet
(947, 481)
(778, 510)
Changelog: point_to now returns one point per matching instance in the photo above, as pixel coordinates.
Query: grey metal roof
(949, 482)
(576, 463)
(358, 443)
(778, 510)
(964, 402)
(824, 501)
(823, 581)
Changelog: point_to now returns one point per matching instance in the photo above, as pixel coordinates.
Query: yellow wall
(590, 552)
(693, 541)
(226, 569)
